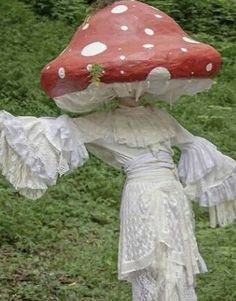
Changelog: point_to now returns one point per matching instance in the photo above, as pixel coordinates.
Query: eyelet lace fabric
(148, 285)
(35, 151)
(158, 252)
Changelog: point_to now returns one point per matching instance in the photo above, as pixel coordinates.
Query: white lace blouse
(35, 151)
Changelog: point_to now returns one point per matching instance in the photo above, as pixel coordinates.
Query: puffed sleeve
(35, 151)
(208, 176)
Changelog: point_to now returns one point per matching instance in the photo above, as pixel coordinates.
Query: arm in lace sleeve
(207, 175)
(35, 151)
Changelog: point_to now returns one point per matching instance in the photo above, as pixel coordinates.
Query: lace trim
(223, 214)
(15, 136)
(210, 179)
(150, 285)
(197, 160)
(34, 151)
(225, 191)
(68, 141)
(26, 182)
(137, 127)
(156, 225)
(209, 175)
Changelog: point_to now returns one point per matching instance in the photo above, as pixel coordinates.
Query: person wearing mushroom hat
(135, 49)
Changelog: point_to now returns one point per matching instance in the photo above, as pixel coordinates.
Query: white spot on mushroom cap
(48, 67)
(119, 9)
(85, 26)
(61, 72)
(189, 40)
(124, 27)
(122, 57)
(94, 48)
(148, 46)
(184, 49)
(158, 16)
(122, 71)
(149, 31)
(119, 49)
(209, 67)
(160, 73)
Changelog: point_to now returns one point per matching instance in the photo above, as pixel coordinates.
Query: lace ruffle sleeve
(208, 176)
(35, 151)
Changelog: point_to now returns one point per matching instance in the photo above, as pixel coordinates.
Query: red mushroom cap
(128, 39)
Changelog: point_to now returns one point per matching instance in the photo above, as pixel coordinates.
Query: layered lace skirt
(158, 251)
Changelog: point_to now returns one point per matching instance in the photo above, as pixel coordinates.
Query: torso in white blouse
(118, 136)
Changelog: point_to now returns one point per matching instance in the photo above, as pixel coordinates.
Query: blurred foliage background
(64, 246)
(195, 16)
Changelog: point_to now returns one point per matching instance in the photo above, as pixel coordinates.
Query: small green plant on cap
(96, 72)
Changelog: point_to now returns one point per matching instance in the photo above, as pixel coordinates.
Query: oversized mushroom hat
(131, 48)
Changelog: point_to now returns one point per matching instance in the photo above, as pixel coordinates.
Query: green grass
(64, 246)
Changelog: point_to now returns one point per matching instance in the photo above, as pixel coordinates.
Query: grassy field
(64, 245)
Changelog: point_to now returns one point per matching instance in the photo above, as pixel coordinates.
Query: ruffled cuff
(197, 160)
(222, 214)
(35, 151)
(209, 177)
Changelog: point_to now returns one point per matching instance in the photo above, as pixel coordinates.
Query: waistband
(148, 167)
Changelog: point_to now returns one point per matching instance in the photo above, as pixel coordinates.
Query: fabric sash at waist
(149, 167)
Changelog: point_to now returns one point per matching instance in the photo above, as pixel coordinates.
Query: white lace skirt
(158, 251)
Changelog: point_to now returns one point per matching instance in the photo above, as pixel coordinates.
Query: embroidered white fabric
(155, 209)
(148, 285)
(157, 232)
(35, 151)
(138, 127)
(210, 179)
(156, 221)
